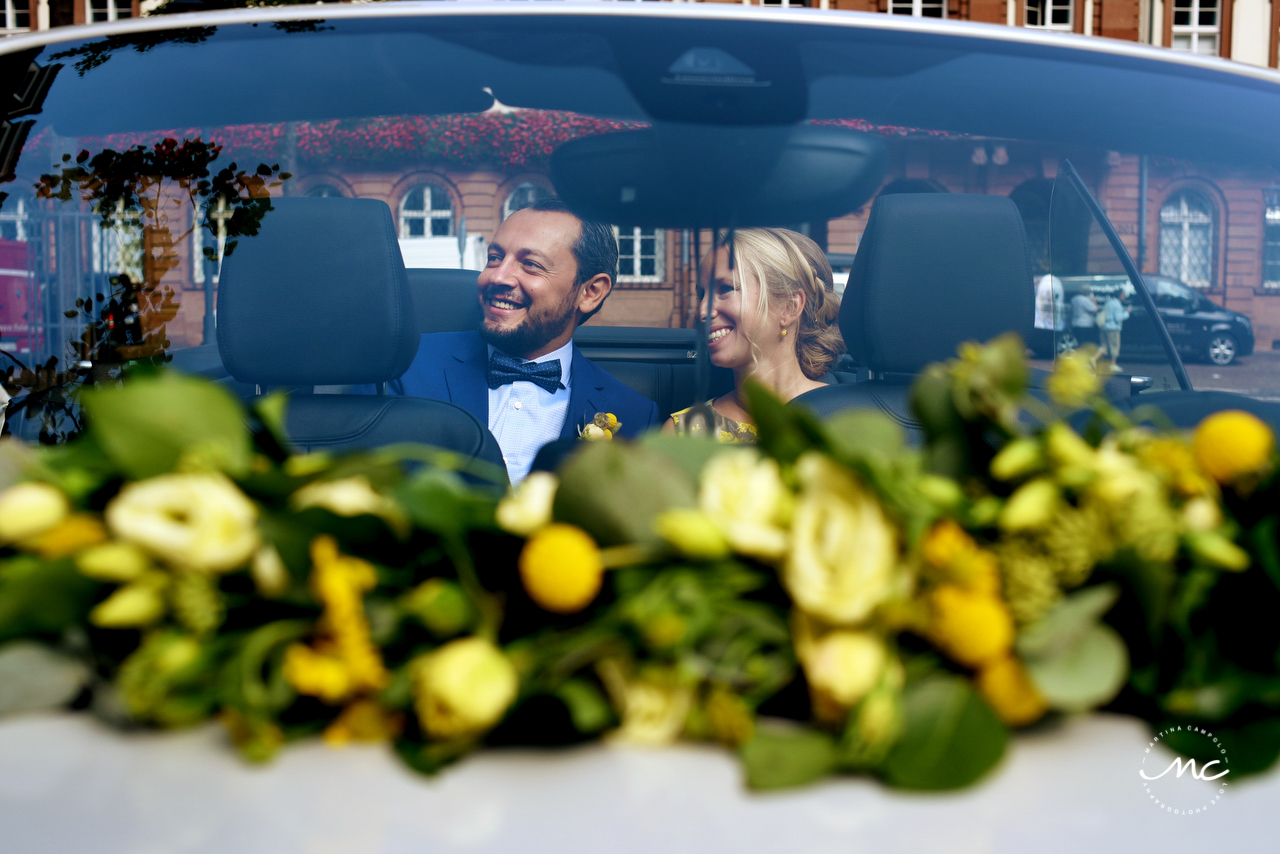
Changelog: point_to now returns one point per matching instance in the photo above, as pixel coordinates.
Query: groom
(519, 374)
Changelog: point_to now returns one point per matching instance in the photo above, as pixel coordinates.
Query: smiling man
(547, 272)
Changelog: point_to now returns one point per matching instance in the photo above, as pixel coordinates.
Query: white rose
(743, 492)
(843, 560)
(199, 522)
(528, 507)
(29, 509)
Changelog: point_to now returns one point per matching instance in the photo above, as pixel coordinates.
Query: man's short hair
(596, 249)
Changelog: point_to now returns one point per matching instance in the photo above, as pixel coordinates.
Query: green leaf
(1251, 748)
(42, 598)
(950, 737)
(786, 432)
(1262, 539)
(691, 453)
(34, 676)
(1066, 623)
(151, 423)
(439, 501)
(778, 758)
(864, 435)
(588, 709)
(1151, 583)
(1083, 676)
(614, 491)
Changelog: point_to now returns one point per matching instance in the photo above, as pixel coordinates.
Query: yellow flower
(561, 568)
(1008, 690)
(29, 509)
(1031, 506)
(199, 522)
(743, 492)
(970, 627)
(841, 667)
(316, 674)
(654, 707)
(139, 603)
(595, 433)
(607, 421)
(949, 548)
(693, 533)
(1174, 459)
(1233, 446)
(1074, 381)
(77, 531)
(269, 572)
(119, 562)
(844, 556)
(463, 688)
(729, 718)
(1016, 459)
(362, 720)
(351, 496)
(1201, 514)
(528, 506)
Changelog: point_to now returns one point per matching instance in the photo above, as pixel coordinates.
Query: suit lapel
(585, 396)
(464, 374)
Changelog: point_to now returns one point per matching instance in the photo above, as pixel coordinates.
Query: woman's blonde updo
(786, 262)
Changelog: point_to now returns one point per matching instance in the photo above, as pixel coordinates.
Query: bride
(772, 318)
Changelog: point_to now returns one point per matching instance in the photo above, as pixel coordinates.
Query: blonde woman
(772, 319)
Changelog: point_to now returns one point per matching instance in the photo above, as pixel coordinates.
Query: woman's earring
(784, 333)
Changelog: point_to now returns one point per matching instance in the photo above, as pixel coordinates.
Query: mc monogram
(1190, 764)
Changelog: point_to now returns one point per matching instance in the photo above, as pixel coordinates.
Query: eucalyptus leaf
(950, 737)
(864, 434)
(151, 423)
(614, 491)
(34, 676)
(778, 758)
(1086, 675)
(1067, 622)
(691, 453)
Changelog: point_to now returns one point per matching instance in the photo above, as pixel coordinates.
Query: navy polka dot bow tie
(504, 369)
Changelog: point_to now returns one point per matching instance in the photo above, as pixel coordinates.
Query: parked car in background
(1202, 330)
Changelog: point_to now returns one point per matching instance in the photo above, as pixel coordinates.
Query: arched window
(523, 196)
(425, 211)
(1187, 237)
(324, 191)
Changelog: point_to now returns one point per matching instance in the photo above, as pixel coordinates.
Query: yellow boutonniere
(603, 427)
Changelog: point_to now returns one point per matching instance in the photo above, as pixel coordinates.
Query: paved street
(1257, 375)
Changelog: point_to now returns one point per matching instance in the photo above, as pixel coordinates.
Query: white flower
(463, 688)
(528, 506)
(743, 492)
(653, 710)
(199, 522)
(29, 509)
(843, 560)
(351, 496)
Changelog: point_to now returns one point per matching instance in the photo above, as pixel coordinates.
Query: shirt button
(516, 404)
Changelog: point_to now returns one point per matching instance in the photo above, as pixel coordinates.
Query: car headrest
(934, 270)
(317, 297)
(447, 300)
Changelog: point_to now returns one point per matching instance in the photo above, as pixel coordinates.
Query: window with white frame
(1187, 238)
(1050, 15)
(1197, 26)
(324, 191)
(796, 4)
(13, 220)
(107, 10)
(17, 15)
(521, 197)
(1271, 246)
(641, 254)
(919, 8)
(426, 211)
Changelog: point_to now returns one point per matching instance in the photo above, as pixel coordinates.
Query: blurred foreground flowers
(831, 600)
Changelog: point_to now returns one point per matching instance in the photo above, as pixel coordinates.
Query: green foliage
(614, 492)
(42, 598)
(779, 758)
(950, 739)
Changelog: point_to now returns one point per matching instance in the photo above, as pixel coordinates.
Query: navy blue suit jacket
(450, 366)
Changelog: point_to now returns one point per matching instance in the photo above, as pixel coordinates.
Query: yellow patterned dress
(728, 431)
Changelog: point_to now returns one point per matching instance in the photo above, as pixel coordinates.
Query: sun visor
(696, 176)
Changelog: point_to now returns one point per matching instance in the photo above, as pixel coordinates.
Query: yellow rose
(842, 667)
(199, 522)
(1233, 446)
(1008, 690)
(561, 568)
(843, 560)
(29, 509)
(969, 626)
(528, 506)
(654, 708)
(595, 433)
(351, 496)
(743, 492)
(463, 688)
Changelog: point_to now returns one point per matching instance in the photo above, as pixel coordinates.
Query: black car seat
(320, 297)
(446, 300)
(933, 270)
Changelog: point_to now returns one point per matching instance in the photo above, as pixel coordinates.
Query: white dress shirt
(523, 416)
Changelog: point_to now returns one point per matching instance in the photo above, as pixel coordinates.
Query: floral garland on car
(831, 601)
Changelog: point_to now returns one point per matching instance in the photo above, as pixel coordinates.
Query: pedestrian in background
(1114, 314)
(1084, 318)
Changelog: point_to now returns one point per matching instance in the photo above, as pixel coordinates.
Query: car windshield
(140, 158)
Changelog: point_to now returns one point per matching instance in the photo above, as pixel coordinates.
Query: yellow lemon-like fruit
(971, 627)
(561, 568)
(1232, 445)
(1005, 686)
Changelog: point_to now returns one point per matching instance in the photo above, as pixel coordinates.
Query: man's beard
(535, 331)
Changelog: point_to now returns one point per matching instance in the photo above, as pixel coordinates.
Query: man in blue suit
(519, 374)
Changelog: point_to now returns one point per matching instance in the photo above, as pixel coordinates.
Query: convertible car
(288, 197)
